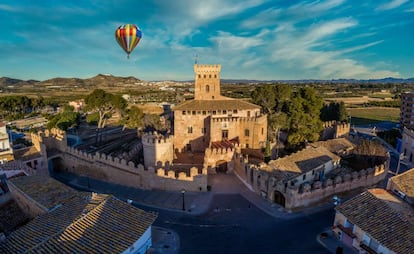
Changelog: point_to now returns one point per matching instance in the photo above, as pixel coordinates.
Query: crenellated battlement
(154, 138)
(207, 68)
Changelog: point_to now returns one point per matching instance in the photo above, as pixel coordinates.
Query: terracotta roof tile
(335, 145)
(384, 217)
(405, 182)
(300, 162)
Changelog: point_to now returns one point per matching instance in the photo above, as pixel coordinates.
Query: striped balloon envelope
(128, 37)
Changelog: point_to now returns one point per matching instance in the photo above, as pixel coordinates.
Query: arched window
(207, 88)
(246, 132)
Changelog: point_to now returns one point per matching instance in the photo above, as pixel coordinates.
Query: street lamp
(182, 194)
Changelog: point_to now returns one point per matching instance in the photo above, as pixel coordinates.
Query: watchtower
(207, 81)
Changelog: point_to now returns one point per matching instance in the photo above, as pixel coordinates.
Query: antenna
(196, 59)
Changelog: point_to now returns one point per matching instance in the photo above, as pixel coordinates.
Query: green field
(371, 115)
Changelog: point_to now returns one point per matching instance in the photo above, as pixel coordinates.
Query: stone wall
(157, 148)
(251, 131)
(120, 171)
(335, 129)
(317, 191)
(26, 203)
(264, 184)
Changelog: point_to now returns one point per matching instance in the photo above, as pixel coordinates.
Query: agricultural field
(371, 115)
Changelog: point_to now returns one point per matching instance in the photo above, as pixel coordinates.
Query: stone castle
(207, 130)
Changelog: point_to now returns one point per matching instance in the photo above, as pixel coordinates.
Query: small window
(204, 75)
(214, 112)
(215, 76)
(183, 112)
(235, 111)
(209, 76)
(190, 129)
(248, 113)
(246, 132)
(247, 145)
(262, 131)
(204, 112)
(193, 113)
(199, 75)
(224, 111)
(207, 88)
(304, 177)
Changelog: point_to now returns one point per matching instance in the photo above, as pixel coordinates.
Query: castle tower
(207, 81)
(157, 148)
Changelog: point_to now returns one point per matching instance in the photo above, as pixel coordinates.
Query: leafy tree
(64, 120)
(304, 110)
(334, 111)
(283, 93)
(93, 118)
(152, 122)
(105, 104)
(134, 118)
(265, 97)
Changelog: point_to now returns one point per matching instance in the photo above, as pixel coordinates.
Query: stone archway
(279, 198)
(221, 167)
(55, 165)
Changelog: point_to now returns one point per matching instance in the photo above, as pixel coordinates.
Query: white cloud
(228, 41)
(293, 14)
(297, 49)
(391, 5)
(320, 30)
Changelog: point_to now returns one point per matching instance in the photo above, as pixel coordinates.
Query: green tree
(304, 113)
(283, 93)
(64, 120)
(105, 104)
(133, 118)
(264, 96)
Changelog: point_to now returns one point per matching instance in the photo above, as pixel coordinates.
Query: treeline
(297, 112)
(389, 104)
(16, 106)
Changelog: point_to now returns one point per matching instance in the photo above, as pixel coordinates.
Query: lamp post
(182, 194)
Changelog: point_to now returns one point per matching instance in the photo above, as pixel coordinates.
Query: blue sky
(251, 39)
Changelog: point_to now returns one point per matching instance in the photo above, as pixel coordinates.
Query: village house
(403, 186)
(375, 221)
(66, 221)
(6, 151)
(308, 176)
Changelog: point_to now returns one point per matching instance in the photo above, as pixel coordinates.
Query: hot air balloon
(128, 37)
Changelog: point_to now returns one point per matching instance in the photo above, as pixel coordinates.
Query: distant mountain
(105, 80)
(97, 81)
(324, 81)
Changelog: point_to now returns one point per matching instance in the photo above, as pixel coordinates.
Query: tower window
(204, 112)
(207, 88)
(209, 76)
(205, 75)
(246, 132)
(215, 76)
(190, 129)
(183, 112)
(199, 75)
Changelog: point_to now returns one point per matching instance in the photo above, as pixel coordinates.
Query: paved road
(231, 224)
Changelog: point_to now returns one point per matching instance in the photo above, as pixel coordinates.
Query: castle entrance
(221, 167)
(55, 165)
(279, 198)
